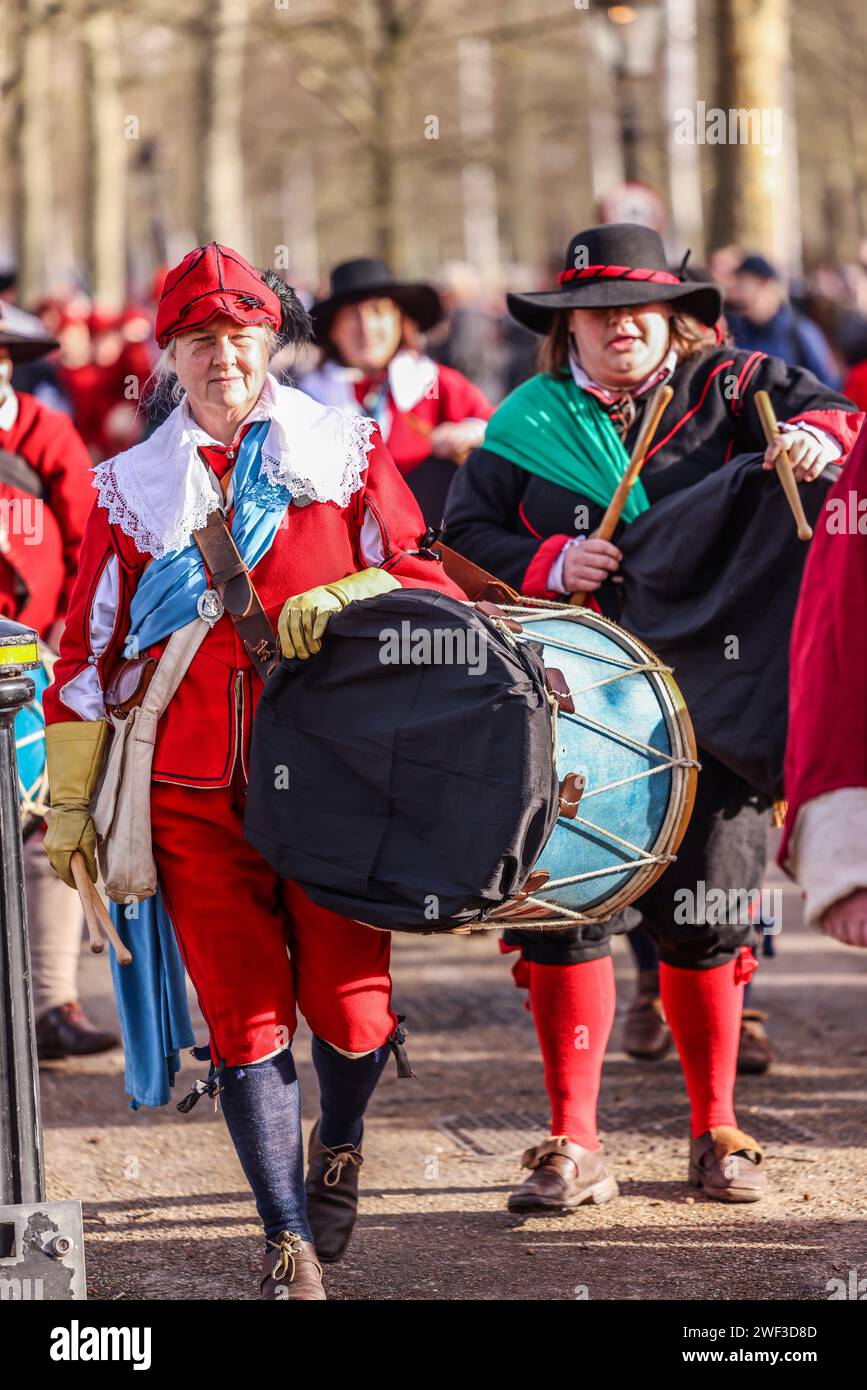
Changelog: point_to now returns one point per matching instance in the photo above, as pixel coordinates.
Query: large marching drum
(536, 769)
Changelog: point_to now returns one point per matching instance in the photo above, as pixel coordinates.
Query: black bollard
(41, 1244)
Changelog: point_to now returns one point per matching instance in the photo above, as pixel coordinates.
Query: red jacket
(207, 723)
(454, 399)
(827, 743)
(45, 561)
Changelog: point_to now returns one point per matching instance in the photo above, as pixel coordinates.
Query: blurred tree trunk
(752, 61)
(220, 207)
(30, 150)
(105, 200)
(389, 28)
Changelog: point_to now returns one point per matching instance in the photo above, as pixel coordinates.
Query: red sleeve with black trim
(797, 397)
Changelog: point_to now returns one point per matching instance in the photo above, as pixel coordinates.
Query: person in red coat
(824, 843)
(321, 516)
(45, 498)
(369, 328)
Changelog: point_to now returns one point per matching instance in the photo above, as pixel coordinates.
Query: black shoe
(67, 1032)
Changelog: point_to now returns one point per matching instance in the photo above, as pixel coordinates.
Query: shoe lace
(289, 1245)
(338, 1161)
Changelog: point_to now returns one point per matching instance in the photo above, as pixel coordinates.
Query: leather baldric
(231, 580)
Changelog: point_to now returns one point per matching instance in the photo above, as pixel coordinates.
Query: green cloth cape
(551, 427)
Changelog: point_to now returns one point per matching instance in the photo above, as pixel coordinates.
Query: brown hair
(689, 337)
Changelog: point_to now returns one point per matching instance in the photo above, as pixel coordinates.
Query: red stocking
(703, 1008)
(573, 1009)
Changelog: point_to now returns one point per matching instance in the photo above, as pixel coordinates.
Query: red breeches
(255, 946)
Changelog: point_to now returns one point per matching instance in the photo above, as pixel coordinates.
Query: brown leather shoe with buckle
(646, 1034)
(563, 1175)
(290, 1269)
(727, 1165)
(755, 1049)
(332, 1195)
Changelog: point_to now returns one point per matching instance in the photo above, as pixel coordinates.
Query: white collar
(656, 377)
(411, 376)
(159, 492)
(8, 410)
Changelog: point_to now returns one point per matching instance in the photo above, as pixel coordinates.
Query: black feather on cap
(295, 327)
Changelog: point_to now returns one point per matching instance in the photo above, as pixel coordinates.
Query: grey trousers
(55, 923)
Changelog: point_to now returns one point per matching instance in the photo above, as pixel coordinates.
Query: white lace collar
(159, 492)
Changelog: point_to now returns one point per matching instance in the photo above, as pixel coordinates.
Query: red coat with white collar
(448, 397)
(207, 724)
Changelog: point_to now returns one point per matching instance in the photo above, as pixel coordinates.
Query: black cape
(710, 582)
(406, 794)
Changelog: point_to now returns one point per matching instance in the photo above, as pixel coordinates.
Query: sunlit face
(367, 335)
(620, 347)
(222, 366)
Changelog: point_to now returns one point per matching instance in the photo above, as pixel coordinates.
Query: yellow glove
(74, 751)
(305, 617)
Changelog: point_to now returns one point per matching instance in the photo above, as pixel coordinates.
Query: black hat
(369, 278)
(23, 335)
(618, 264)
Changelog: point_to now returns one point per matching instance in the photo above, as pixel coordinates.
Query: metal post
(41, 1243)
(21, 1172)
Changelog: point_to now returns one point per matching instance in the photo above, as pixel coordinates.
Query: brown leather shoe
(646, 1034)
(727, 1165)
(290, 1269)
(755, 1049)
(67, 1032)
(563, 1175)
(332, 1195)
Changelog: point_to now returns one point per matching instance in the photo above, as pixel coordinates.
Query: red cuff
(842, 425)
(535, 581)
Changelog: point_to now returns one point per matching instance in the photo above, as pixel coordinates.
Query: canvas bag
(122, 808)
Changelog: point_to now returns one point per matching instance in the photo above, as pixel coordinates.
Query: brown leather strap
(231, 578)
(475, 582)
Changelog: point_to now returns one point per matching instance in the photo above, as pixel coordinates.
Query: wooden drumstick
(655, 410)
(99, 923)
(784, 468)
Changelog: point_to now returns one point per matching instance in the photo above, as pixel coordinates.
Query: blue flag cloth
(151, 992)
(151, 999)
(170, 587)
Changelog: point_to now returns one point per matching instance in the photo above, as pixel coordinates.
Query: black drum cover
(404, 776)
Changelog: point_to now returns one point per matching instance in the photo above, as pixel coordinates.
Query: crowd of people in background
(100, 374)
(429, 362)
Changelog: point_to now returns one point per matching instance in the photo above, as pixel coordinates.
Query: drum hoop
(683, 789)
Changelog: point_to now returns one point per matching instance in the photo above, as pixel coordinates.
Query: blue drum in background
(30, 748)
(629, 736)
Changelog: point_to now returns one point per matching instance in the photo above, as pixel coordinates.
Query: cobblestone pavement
(168, 1216)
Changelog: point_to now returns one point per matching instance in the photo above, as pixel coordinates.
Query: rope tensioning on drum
(565, 915)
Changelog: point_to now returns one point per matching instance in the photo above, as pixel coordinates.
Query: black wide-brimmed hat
(369, 278)
(617, 265)
(23, 335)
